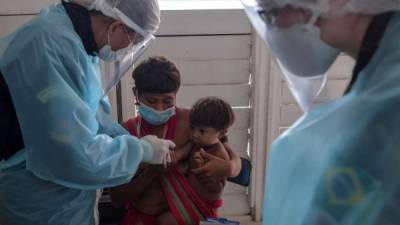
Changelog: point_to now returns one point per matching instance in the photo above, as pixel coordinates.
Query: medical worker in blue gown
(339, 164)
(58, 141)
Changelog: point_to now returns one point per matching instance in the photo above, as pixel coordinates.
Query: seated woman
(157, 81)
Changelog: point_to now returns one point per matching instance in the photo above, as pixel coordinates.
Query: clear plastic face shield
(301, 55)
(141, 18)
(115, 71)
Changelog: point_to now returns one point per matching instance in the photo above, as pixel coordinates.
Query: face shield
(140, 16)
(116, 70)
(300, 53)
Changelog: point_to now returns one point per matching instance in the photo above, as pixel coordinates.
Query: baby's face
(204, 136)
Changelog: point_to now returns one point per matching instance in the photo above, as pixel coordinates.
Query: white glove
(161, 149)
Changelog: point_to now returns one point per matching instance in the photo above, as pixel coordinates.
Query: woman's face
(159, 102)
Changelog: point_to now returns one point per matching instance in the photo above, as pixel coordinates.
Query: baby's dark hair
(212, 112)
(158, 75)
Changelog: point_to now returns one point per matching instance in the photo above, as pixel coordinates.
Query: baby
(210, 119)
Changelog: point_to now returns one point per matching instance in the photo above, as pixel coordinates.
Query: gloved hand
(161, 149)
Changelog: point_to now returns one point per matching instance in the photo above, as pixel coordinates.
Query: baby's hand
(215, 168)
(197, 161)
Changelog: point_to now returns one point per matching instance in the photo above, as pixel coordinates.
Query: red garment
(184, 203)
(134, 217)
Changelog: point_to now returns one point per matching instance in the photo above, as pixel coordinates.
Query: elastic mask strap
(108, 34)
(313, 20)
(127, 33)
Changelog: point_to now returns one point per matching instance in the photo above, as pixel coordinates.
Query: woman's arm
(133, 190)
(235, 163)
(215, 184)
(219, 168)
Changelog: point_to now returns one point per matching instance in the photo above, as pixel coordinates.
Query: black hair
(156, 75)
(212, 112)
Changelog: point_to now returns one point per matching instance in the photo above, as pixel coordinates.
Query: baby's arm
(182, 153)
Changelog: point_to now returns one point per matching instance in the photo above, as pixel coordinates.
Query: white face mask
(107, 54)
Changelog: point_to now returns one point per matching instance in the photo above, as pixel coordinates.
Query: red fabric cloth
(134, 217)
(173, 184)
(185, 204)
(179, 192)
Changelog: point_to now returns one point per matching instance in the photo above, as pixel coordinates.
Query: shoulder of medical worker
(51, 32)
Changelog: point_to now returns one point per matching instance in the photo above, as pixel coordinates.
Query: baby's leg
(166, 219)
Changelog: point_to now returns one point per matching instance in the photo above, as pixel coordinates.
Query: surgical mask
(155, 117)
(107, 54)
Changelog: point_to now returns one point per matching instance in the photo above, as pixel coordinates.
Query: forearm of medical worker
(133, 190)
(66, 148)
(107, 124)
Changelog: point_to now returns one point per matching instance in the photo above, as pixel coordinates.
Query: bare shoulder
(182, 128)
(183, 113)
(184, 119)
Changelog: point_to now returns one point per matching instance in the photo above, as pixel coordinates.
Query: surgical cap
(145, 14)
(368, 7)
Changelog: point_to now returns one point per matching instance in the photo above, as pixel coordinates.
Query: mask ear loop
(318, 12)
(313, 20)
(127, 33)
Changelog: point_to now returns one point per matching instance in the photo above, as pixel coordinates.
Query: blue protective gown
(72, 145)
(340, 163)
